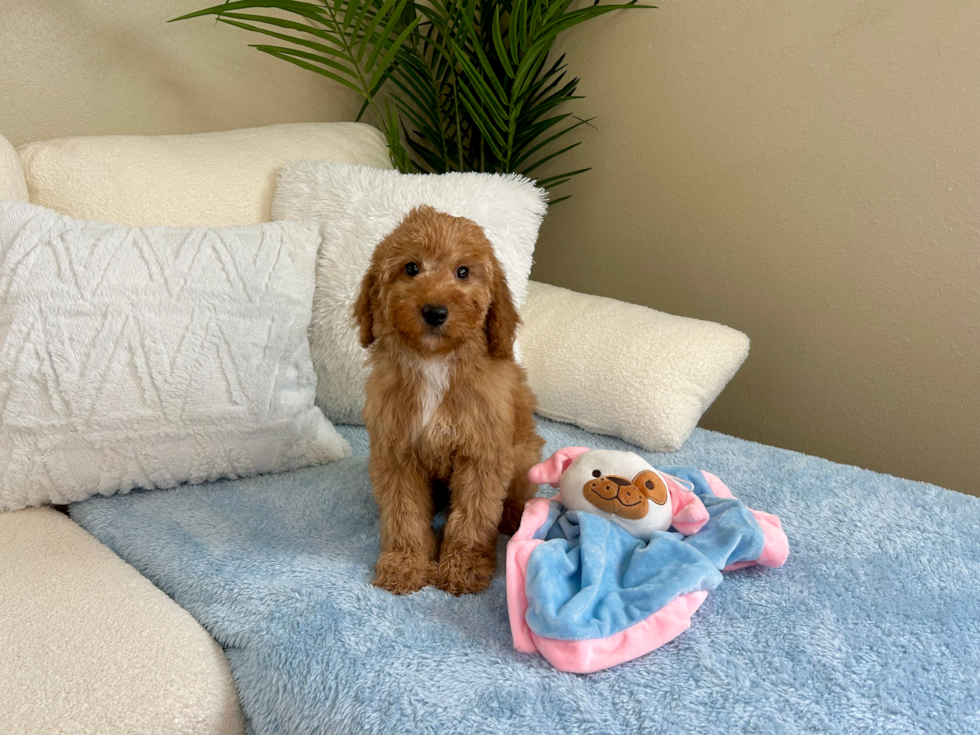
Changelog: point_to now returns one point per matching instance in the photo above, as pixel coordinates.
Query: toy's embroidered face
(619, 486)
(625, 498)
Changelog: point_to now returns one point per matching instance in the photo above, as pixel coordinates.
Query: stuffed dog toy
(593, 580)
(621, 487)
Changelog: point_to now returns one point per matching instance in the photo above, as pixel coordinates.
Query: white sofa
(88, 645)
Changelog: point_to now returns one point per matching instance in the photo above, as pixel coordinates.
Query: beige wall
(96, 67)
(806, 172)
(810, 174)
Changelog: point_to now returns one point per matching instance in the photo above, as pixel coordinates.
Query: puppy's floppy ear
(364, 308)
(502, 316)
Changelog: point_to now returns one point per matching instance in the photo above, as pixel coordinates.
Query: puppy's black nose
(434, 315)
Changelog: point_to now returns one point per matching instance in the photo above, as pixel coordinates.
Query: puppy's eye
(462, 272)
(596, 473)
(412, 269)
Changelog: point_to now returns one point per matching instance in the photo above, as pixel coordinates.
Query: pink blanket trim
(519, 548)
(584, 657)
(776, 550)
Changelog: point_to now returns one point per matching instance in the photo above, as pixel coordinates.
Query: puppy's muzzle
(435, 314)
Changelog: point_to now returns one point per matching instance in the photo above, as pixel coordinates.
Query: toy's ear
(689, 513)
(549, 471)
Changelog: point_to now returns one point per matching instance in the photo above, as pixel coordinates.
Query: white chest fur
(433, 380)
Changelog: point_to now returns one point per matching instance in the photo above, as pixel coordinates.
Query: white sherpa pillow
(147, 357)
(622, 369)
(357, 207)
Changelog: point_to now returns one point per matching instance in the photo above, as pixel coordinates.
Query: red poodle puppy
(447, 405)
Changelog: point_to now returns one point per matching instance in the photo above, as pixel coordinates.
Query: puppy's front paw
(464, 572)
(402, 572)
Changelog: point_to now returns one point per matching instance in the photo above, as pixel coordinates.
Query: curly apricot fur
(446, 404)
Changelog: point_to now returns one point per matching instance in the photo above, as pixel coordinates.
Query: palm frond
(466, 84)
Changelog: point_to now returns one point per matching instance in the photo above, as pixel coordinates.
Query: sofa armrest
(12, 182)
(203, 179)
(621, 369)
(87, 645)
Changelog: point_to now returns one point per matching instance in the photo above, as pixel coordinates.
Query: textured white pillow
(357, 207)
(622, 369)
(150, 357)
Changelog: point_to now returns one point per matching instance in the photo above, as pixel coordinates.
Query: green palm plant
(467, 84)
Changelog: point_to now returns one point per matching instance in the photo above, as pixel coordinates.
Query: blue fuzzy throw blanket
(872, 626)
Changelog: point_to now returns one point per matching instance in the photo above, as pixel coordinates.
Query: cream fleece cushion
(624, 370)
(12, 184)
(357, 207)
(88, 646)
(147, 357)
(212, 179)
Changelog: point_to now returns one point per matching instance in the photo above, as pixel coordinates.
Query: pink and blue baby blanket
(586, 594)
